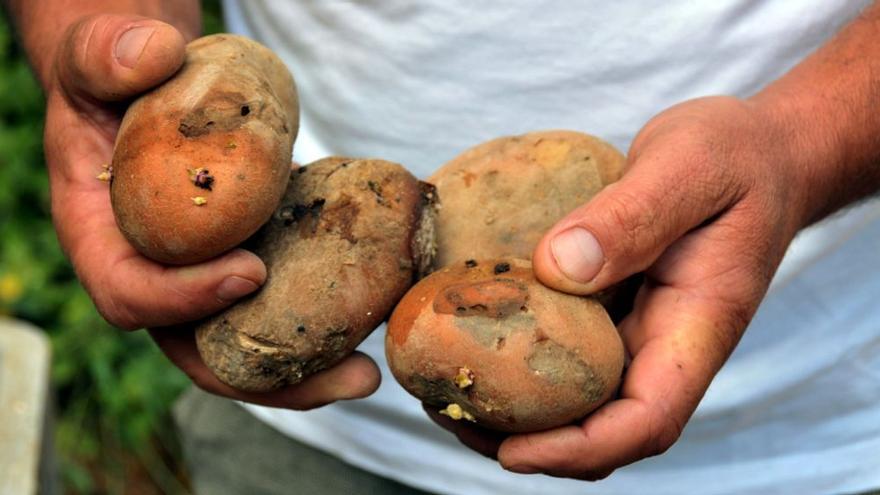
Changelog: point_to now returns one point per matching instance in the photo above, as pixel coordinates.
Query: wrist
(807, 152)
(825, 110)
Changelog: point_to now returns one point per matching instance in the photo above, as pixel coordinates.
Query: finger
(135, 292)
(355, 377)
(686, 321)
(131, 291)
(663, 385)
(481, 440)
(113, 57)
(625, 227)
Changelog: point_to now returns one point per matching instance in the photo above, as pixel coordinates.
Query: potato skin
(500, 197)
(231, 110)
(512, 354)
(341, 249)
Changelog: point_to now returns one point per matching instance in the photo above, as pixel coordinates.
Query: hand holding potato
(103, 61)
(706, 209)
(480, 339)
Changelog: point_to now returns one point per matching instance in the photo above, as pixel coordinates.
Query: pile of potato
(202, 165)
(481, 339)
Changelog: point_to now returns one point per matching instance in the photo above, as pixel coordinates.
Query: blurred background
(111, 391)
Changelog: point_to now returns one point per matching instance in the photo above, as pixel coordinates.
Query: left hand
(711, 198)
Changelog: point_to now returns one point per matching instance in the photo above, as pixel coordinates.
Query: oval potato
(201, 162)
(346, 243)
(500, 197)
(485, 341)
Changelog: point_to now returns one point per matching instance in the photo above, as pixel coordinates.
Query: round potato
(484, 341)
(500, 197)
(201, 162)
(348, 240)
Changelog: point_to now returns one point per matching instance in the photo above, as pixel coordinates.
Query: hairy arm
(828, 106)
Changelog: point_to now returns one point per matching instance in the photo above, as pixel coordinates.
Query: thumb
(626, 227)
(112, 57)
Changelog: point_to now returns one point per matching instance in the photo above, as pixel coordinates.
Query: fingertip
(512, 456)
(246, 264)
(152, 49)
(114, 57)
(546, 265)
(239, 273)
(552, 452)
(234, 287)
(230, 276)
(363, 376)
(355, 377)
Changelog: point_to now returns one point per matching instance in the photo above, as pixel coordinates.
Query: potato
(485, 341)
(348, 240)
(201, 162)
(501, 196)
(482, 338)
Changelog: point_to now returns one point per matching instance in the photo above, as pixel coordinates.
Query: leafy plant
(112, 390)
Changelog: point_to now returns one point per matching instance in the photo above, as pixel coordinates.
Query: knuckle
(83, 37)
(665, 430)
(703, 154)
(698, 145)
(709, 158)
(634, 218)
(75, 61)
(114, 309)
(117, 314)
(183, 303)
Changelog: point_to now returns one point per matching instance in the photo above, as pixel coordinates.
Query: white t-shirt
(797, 407)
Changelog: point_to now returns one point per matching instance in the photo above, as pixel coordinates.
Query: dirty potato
(201, 162)
(484, 341)
(500, 197)
(349, 238)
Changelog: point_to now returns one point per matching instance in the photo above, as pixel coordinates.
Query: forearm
(828, 108)
(42, 24)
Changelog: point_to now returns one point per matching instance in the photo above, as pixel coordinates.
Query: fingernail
(233, 287)
(523, 469)
(578, 254)
(131, 45)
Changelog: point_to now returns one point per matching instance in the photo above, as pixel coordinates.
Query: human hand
(104, 61)
(710, 201)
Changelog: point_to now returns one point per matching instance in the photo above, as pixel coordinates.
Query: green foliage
(113, 390)
(212, 17)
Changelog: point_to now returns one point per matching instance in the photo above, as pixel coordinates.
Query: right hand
(102, 62)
